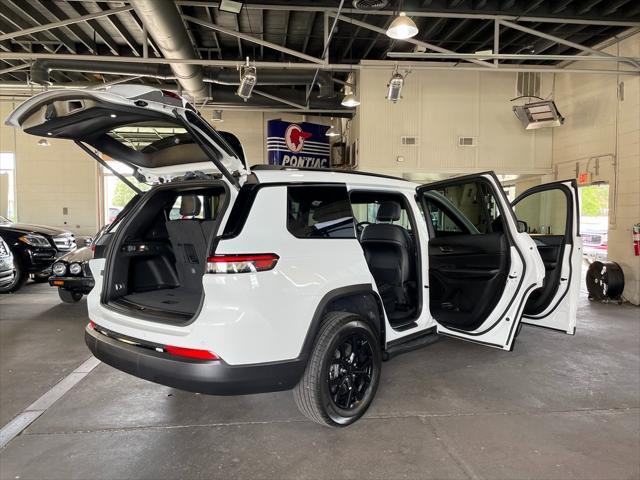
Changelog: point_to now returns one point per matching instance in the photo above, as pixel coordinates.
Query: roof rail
(337, 170)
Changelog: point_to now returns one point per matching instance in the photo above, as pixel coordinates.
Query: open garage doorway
(594, 220)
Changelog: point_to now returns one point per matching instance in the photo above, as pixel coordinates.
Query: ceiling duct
(278, 77)
(40, 69)
(163, 21)
(370, 4)
(226, 98)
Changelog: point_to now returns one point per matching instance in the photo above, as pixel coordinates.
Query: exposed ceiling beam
(215, 35)
(312, 23)
(121, 29)
(250, 38)
(555, 39)
(384, 66)
(510, 56)
(429, 46)
(106, 38)
(61, 23)
(53, 8)
(37, 18)
(531, 5)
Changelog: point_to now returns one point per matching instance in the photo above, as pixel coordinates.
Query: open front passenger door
(481, 269)
(550, 214)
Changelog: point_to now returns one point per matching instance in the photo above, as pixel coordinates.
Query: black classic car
(72, 276)
(6, 265)
(34, 249)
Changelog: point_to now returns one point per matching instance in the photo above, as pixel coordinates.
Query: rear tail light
(91, 325)
(190, 353)
(258, 262)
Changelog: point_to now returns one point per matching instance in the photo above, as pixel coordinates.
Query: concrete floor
(557, 407)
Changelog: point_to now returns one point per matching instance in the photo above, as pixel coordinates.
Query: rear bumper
(210, 377)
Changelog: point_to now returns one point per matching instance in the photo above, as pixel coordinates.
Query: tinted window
(319, 212)
(366, 205)
(464, 208)
(544, 213)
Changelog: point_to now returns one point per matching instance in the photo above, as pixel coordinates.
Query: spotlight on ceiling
(248, 80)
(230, 6)
(350, 100)
(216, 116)
(43, 142)
(394, 87)
(402, 28)
(333, 131)
(538, 115)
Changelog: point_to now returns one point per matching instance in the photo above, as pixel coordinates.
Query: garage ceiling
(462, 26)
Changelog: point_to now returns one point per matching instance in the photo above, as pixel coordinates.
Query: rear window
(319, 212)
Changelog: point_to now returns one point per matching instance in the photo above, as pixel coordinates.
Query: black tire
(323, 402)
(68, 296)
(20, 277)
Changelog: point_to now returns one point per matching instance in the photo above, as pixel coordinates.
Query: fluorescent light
(538, 115)
(350, 100)
(230, 6)
(402, 28)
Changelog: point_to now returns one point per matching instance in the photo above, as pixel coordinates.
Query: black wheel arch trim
(342, 293)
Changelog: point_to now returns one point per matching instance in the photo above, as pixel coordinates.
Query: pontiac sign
(298, 144)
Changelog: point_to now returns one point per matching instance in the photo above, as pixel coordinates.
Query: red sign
(584, 178)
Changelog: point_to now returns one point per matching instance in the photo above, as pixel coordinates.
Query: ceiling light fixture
(350, 100)
(394, 87)
(43, 142)
(230, 6)
(332, 131)
(402, 28)
(217, 116)
(538, 115)
(248, 80)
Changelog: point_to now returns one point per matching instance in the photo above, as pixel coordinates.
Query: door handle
(446, 249)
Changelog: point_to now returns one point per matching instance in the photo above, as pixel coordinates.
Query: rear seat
(188, 238)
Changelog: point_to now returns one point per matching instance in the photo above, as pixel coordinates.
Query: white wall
(602, 135)
(438, 107)
(49, 179)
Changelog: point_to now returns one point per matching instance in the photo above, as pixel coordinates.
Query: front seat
(389, 253)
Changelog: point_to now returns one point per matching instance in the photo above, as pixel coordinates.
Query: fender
(360, 299)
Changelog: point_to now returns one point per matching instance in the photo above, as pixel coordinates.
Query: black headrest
(389, 211)
(385, 233)
(190, 206)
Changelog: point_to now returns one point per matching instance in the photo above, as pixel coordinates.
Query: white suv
(225, 279)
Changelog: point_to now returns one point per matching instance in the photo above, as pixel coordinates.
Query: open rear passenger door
(551, 214)
(481, 268)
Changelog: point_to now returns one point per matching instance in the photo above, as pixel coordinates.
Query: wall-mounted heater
(538, 115)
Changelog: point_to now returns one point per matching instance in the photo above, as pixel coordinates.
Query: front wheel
(68, 296)
(343, 372)
(20, 276)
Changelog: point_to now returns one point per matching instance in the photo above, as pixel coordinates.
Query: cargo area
(157, 262)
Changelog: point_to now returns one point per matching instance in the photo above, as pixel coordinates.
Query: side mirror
(522, 227)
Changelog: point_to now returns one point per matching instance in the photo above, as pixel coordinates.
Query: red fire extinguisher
(636, 239)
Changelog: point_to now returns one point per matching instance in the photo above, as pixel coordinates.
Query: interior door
(481, 269)
(551, 214)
